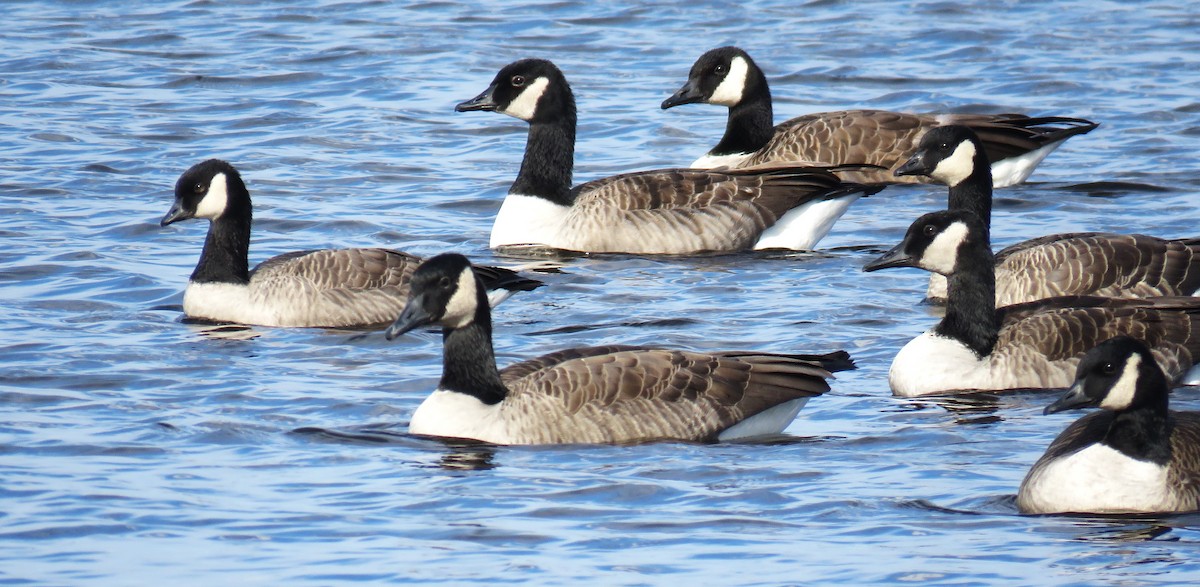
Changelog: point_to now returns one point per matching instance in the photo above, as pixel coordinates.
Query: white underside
(528, 220)
(770, 421)
(450, 414)
(802, 227)
(1096, 479)
(708, 161)
(931, 364)
(226, 302)
(1014, 170)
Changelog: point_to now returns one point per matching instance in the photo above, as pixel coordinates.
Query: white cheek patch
(942, 254)
(958, 166)
(460, 310)
(525, 106)
(1120, 396)
(729, 93)
(212, 205)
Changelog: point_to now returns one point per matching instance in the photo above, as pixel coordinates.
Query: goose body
(727, 76)
(594, 394)
(1032, 345)
(1135, 456)
(1086, 263)
(327, 288)
(668, 211)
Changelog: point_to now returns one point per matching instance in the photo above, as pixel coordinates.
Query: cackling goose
(329, 288)
(1032, 345)
(671, 211)
(597, 394)
(1134, 456)
(728, 77)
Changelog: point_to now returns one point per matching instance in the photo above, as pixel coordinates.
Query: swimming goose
(670, 211)
(728, 77)
(1082, 263)
(1032, 345)
(595, 394)
(1135, 456)
(329, 288)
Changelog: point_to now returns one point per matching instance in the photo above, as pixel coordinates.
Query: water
(141, 450)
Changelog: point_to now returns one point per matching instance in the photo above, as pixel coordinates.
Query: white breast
(1097, 479)
(732, 161)
(458, 415)
(803, 226)
(222, 302)
(528, 220)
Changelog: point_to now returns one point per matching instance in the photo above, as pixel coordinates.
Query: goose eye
(944, 146)
(518, 80)
(719, 69)
(199, 188)
(444, 281)
(1108, 368)
(930, 230)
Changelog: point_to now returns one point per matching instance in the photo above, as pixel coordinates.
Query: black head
(530, 89)
(933, 242)
(444, 291)
(207, 190)
(1118, 374)
(720, 76)
(948, 154)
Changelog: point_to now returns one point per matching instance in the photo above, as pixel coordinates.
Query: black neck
(751, 122)
(971, 299)
(468, 362)
(225, 258)
(974, 193)
(1143, 431)
(549, 159)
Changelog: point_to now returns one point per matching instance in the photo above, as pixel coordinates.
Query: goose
(1032, 345)
(1082, 263)
(669, 211)
(727, 76)
(1134, 456)
(606, 394)
(326, 288)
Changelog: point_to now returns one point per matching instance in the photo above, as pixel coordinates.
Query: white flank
(805, 225)
(770, 421)
(942, 254)
(528, 220)
(729, 93)
(1121, 395)
(1096, 479)
(525, 105)
(1014, 170)
(731, 161)
(451, 414)
(957, 167)
(460, 310)
(212, 205)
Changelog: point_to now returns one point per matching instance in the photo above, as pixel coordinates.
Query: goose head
(207, 190)
(934, 242)
(529, 89)
(1118, 374)
(721, 76)
(949, 154)
(444, 291)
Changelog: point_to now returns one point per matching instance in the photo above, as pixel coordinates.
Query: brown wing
(1185, 465)
(643, 394)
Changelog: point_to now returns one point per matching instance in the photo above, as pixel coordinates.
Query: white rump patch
(1097, 479)
(1016, 169)
(1121, 394)
(942, 254)
(729, 93)
(212, 205)
(525, 105)
(958, 166)
(805, 225)
(450, 414)
(460, 310)
(770, 421)
(528, 220)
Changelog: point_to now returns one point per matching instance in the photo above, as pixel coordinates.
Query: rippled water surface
(138, 449)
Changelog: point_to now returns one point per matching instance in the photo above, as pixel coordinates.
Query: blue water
(136, 449)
